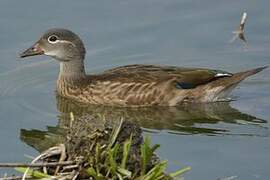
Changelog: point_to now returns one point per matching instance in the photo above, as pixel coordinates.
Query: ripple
(27, 75)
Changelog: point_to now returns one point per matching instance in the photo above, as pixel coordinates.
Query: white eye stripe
(54, 39)
(68, 42)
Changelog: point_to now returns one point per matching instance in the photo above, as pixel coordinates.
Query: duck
(133, 85)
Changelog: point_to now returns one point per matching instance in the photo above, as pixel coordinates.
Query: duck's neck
(72, 70)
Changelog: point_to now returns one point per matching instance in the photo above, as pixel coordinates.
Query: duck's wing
(185, 77)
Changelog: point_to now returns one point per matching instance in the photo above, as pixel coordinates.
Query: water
(217, 141)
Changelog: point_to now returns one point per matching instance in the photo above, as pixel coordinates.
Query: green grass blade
(156, 172)
(124, 172)
(115, 133)
(147, 153)
(180, 172)
(112, 156)
(33, 173)
(126, 149)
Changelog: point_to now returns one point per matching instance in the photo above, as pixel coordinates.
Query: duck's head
(61, 44)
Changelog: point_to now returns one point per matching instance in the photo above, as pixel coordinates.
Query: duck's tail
(219, 89)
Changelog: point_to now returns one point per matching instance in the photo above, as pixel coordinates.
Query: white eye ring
(53, 39)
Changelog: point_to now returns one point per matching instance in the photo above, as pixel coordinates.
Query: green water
(217, 141)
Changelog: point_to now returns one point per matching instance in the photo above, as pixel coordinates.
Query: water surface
(222, 140)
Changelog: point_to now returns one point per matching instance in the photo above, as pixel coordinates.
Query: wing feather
(149, 73)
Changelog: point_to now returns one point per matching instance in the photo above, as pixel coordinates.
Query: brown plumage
(132, 85)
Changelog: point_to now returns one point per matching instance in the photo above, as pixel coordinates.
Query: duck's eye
(52, 39)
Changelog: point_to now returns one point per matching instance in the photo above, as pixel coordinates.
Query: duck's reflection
(207, 119)
(182, 119)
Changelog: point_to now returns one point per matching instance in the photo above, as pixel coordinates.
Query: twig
(62, 156)
(70, 167)
(52, 164)
(239, 33)
(50, 152)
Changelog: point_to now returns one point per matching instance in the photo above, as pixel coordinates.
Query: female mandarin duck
(132, 85)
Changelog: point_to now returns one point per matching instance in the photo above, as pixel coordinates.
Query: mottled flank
(148, 85)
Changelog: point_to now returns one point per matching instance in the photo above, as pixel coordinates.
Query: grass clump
(111, 163)
(117, 152)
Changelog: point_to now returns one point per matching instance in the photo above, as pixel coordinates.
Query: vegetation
(96, 157)
(107, 165)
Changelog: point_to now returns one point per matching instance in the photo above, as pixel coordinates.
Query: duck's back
(142, 85)
(152, 73)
